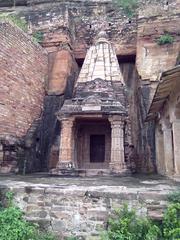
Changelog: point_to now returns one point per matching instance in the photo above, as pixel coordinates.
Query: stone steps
(88, 172)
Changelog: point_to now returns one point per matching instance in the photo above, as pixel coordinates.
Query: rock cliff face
(154, 20)
(70, 27)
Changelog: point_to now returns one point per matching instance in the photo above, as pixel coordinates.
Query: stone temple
(87, 89)
(89, 110)
(93, 121)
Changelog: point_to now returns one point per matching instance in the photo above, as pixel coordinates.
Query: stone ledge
(80, 206)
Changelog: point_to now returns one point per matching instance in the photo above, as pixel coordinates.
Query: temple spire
(101, 62)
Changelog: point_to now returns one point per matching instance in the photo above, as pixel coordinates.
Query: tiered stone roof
(100, 62)
(100, 87)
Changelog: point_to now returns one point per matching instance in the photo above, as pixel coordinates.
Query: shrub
(71, 238)
(165, 39)
(38, 36)
(13, 225)
(126, 225)
(174, 197)
(171, 222)
(129, 6)
(44, 236)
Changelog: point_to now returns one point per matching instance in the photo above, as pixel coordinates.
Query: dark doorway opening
(126, 58)
(97, 148)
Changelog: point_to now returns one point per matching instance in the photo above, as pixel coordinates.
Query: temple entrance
(97, 148)
(93, 143)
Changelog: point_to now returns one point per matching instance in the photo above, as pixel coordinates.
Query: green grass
(38, 36)
(16, 20)
(165, 39)
(22, 24)
(129, 6)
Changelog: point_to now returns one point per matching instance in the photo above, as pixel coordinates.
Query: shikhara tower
(93, 122)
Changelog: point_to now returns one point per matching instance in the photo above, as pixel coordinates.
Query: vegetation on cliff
(165, 39)
(38, 36)
(129, 7)
(16, 20)
(22, 24)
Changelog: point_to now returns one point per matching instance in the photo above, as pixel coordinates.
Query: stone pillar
(66, 149)
(168, 150)
(160, 150)
(176, 145)
(117, 163)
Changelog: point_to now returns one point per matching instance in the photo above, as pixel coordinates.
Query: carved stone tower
(93, 122)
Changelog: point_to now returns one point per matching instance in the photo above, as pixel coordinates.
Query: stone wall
(23, 73)
(82, 210)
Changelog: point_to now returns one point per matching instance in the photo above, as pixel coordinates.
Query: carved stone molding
(117, 121)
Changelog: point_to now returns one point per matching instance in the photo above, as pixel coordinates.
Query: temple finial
(102, 37)
(101, 62)
(102, 34)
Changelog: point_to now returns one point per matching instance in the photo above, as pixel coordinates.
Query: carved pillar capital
(67, 122)
(166, 124)
(166, 127)
(116, 122)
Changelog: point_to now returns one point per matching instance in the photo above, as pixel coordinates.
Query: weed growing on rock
(129, 6)
(165, 39)
(16, 20)
(38, 36)
(22, 24)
